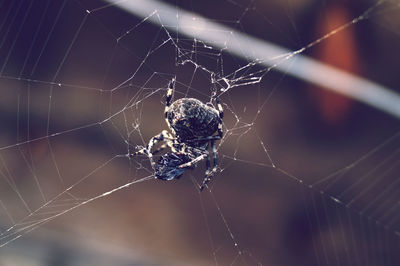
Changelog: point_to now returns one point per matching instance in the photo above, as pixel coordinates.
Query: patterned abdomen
(192, 119)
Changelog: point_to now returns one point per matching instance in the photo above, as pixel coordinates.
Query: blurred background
(307, 176)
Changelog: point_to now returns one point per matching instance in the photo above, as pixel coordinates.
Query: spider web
(83, 85)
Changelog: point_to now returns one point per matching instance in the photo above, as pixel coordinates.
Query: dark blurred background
(79, 90)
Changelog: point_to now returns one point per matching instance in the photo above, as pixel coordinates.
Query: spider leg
(164, 135)
(169, 144)
(168, 101)
(195, 160)
(220, 108)
(170, 91)
(161, 148)
(214, 151)
(210, 174)
(210, 138)
(220, 112)
(208, 163)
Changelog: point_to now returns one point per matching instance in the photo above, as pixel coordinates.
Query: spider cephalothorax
(194, 127)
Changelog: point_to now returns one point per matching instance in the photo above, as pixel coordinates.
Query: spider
(195, 127)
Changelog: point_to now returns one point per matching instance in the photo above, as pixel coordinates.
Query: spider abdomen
(192, 119)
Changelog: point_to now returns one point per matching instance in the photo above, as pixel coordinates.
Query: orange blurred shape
(340, 51)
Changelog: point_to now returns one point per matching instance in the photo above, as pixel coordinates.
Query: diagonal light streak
(268, 54)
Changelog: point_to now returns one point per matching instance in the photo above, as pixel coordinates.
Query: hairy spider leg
(160, 149)
(210, 174)
(195, 160)
(164, 135)
(220, 113)
(208, 163)
(154, 140)
(210, 138)
(170, 91)
(168, 101)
